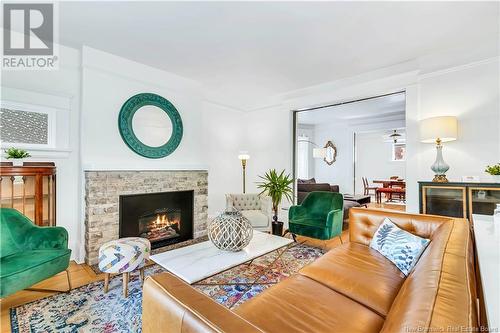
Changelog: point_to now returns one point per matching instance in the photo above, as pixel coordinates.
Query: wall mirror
(330, 153)
(150, 125)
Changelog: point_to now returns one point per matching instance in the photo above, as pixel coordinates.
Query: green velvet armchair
(319, 216)
(28, 253)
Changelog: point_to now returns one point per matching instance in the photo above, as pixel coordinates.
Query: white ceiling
(246, 51)
(384, 109)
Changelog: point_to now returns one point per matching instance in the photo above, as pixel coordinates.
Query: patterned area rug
(88, 309)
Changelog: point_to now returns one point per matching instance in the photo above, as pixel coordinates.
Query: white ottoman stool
(123, 256)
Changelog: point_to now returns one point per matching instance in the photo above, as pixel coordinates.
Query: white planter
(17, 161)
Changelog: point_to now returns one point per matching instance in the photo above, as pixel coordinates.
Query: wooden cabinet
(31, 189)
(458, 199)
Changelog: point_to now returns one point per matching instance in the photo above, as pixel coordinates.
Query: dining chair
(368, 188)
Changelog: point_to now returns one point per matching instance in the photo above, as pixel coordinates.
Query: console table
(31, 189)
(458, 199)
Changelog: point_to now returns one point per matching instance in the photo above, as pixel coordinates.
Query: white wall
(374, 159)
(471, 93)
(309, 132)
(107, 82)
(268, 135)
(223, 135)
(59, 90)
(341, 172)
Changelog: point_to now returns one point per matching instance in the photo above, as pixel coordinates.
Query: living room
(196, 104)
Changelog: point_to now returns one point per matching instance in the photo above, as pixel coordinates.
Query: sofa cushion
(299, 304)
(26, 268)
(402, 248)
(249, 201)
(256, 218)
(306, 181)
(359, 273)
(26, 260)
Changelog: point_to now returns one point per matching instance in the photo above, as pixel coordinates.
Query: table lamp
(243, 156)
(439, 130)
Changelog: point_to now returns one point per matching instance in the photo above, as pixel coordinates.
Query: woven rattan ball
(230, 231)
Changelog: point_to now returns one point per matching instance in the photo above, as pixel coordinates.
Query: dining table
(390, 182)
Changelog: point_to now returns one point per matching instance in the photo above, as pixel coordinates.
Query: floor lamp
(243, 156)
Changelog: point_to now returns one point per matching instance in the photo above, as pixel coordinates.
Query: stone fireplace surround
(103, 189)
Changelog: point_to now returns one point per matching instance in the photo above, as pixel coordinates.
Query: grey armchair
(256, 208)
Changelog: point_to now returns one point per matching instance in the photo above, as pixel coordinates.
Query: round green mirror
(150, 125)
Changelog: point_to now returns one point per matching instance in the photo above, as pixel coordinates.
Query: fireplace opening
(164, 218)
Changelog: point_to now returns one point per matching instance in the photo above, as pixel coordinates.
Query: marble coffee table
(199, 261)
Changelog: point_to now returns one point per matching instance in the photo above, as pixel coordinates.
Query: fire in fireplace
(163, 218)
(161, 224)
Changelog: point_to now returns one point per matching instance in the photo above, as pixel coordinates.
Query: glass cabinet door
(444, 200)
(483, 200)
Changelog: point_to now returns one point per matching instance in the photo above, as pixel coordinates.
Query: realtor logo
(28, 36)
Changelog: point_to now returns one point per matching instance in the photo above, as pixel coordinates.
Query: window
(398, 151)
(26, 126)
(303, 157)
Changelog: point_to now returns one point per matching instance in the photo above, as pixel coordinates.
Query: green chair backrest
(320, 203)
(13, 229)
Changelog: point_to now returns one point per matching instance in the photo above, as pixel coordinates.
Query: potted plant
(276, 186)
(494, 170)
(17, 155)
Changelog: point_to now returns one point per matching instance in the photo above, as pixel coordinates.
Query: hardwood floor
(82, 274)
(391, 206)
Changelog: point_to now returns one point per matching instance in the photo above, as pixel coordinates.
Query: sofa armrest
(335, 220)
(43, 238)
(334, 188)
(229, 202)
(266, 206)
(171, 305)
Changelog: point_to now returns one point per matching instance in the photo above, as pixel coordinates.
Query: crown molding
(459, 68)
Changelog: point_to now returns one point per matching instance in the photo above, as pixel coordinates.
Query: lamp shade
(443, 128)
(244, 155)
(319, 152)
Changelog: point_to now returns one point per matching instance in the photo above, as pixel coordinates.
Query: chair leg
(141, 274)
(106, 282)
(294, 238)
(125, 284)
(340, 238)
(43, 290)
(69, 280)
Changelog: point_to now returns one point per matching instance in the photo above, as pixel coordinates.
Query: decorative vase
(17, 162)
(276, 226)
(230, 231)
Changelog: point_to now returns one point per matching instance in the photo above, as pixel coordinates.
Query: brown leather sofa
(352, 288)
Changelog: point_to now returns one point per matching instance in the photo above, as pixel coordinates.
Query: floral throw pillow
(402, 248)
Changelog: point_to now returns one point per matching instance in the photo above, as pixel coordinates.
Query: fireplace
(164, 218)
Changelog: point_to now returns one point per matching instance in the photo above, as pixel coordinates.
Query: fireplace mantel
(104, 187)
